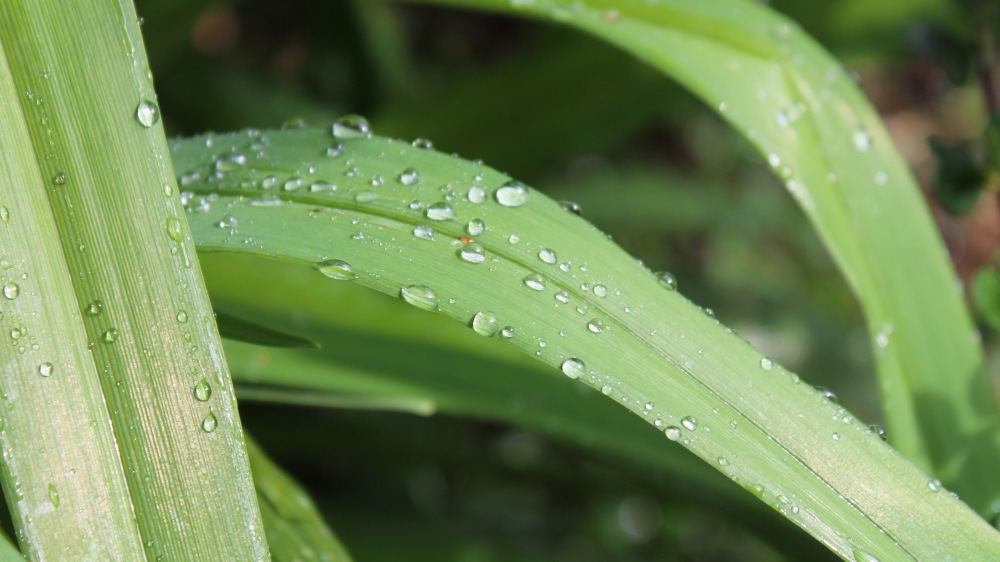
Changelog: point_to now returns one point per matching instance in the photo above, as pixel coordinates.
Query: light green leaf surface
(87, 99)
(552, 286)
(800, 109)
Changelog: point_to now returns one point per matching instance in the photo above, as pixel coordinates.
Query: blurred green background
(648, 164)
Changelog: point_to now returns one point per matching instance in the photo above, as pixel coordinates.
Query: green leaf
(548, 284)
(294, 527)
(235, 328)
(986, 296)
(959, 178)
(795, 104)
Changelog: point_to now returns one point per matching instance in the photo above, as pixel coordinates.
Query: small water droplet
(562, 296)
(535, 281)
(230, 163)
(4, 214)
(673, 433)
(547, 256)
(485, 324)
(649, 406)
(475, 227)
(514, 238)
(836, 437)
(147, 114)
(45, 369)
(337, 269)
(11, 290)
(94, 309)
(425, 232)
(477, 195)
(269, 182)
(512, 194)
(596, 325)
(53, 496)
(440, 212)
(601, 291)
(828, 394)
(174, 229)
(571, 206)
(210, 423)
(423, 143)
(16, 332)
(766, 363)
(321, 186)
(351, 127)
(709, 312)
(111, 335)
(607, 390)
(294, 184)
(335, 150)
(60, 179)
(202, 391)
(862, 140)
(472, 253)
(507, 332)
(934, 485)
(182, 316)
(408, 176)
(420, 296)
(689, 423)
(573, 368)
(366, 197)
(877, 430)
(667, 280)
(723, 461)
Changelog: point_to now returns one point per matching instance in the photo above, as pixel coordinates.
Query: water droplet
(45, 369)
(60, 179)
(723, 461)
(147, 114)
(673, 433)
(934, 485)
(689, 423)
(230, 163)
(485, 324)
(320, 186)
(828, 394)
(766, 363)
(862, 556)
(573, 368)
(182, 316)
(174, 229)
(294, 184)
(420, 296)
(535, 281)
(111, 335)
(836, 437)
(210, 423)
(94, 309)
(774, 160)
(425, 232)
(601, 291)
(366, 197)
(607, 390)
(649, 406)
(335, 150)
(475, 227)
(337, 269)
(572, 207)
(862, 140)
(562, 296)
(507, 332)
(351, 127)
(423, 143)
(667, 280)
(472, 253)
(202, 391)
(709, 312)
(269, 182)
(11, 290)
(408, 176)
(596, 325)
(512, 194)
(881, 178)
(4, 214)
(547, 256)
(440, 212)
(477, 195)
(877, 430)
(53, 496)
(16, 333)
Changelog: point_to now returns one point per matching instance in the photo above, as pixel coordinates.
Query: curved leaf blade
(654, 352)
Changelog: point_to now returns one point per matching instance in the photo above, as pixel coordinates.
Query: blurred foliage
(646, 163)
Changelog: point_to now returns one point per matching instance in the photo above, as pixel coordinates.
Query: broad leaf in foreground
(464, 241)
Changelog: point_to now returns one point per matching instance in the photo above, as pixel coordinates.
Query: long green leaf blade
(87, 98)
(799, 108)
(62, 476)
(359, 209)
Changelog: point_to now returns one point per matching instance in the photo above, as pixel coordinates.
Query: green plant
(114, 343)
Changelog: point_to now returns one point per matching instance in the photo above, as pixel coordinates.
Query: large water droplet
(94, 309)
(408, 176)
(202, 391)
(512, 194)
(601, 291)
(111, 335)
(475, 227)
(507, 332)
(174, 229)
(182, 316)
(11, 290)
(485, 323)
(690, 423)
(596, 325)
(147, 114)
(472, 253)
(934, 485)
(210, 423)
(562, 296)
(294, 184)
(440, 212)
(607, 390)
(351, 127)
(337, 269)
(45, 369)
(667, 280)
(477, 195)
(573, 368)
(535, 281)
(766, 364)
(673, 433)
(53, 496)
(425, 232)
(547, 256)
(420, 296)
(862, 140)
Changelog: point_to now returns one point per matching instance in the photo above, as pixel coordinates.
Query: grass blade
(90, 110)
(358, 208)
(800, 110)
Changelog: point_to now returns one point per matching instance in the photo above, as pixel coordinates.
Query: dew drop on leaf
(94, 309)
(477, 195)
(408, 176)
(440, 212)
(607, 390)
(425, 232)
(174, 229)
(877, 430)
(766, 363)
(547, 256)
(147, 114)
(862, 556)
(366, 197)
(11, 290)
(60, 179)
(673, 433)
(321, 186)
(485, 324)
(862, 140)
(210, 423)
(111, 335)
(667, 280)
(202, 391)
(294, 184)
(182, 316)
(573, 368)
(53, 495)
(472, 253)
(571, 206)
(351, 127)
(423, 143)
(45, 369)
(689, 423)
(535, 281)
(934, 485)
(562, 296)
(335, 150)
(596, 325)
(828, 394)
(512, 194)
(507, 332)
(337, 269)
(475, 227)
(601, 291)
(269, 182)
(420, 296)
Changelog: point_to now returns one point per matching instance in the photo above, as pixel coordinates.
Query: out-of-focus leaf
(986, 295)
(959, 179)
(236, 328)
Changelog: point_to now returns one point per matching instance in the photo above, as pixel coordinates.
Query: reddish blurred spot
(466, 240)
(216, 31)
